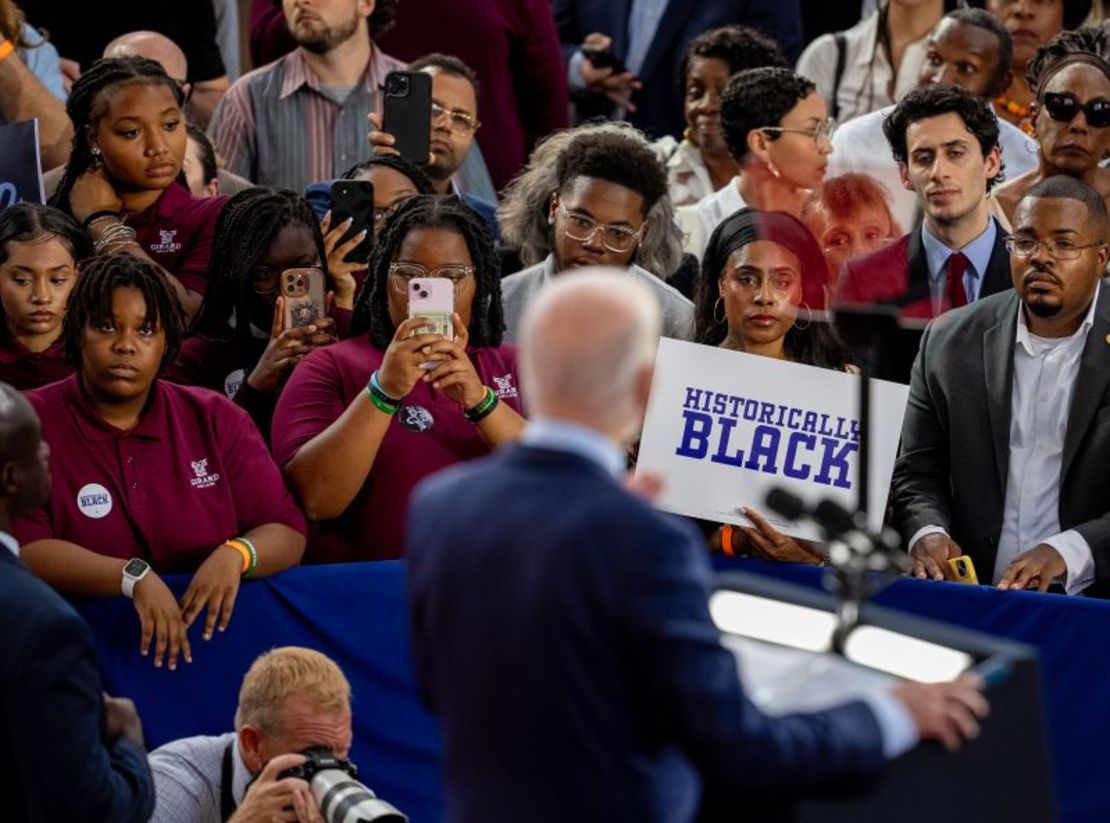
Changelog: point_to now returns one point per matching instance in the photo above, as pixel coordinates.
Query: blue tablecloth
(356, 614)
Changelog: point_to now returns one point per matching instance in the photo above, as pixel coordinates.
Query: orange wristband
(6, 48)
(243, 551)
(726, 540)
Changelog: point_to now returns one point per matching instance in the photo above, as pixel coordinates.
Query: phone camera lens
(416, 287)
(961, 567)
(423, 295)
(398, 86)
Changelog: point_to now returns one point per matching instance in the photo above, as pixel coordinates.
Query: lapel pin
(1108, 339)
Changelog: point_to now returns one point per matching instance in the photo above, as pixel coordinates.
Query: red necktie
(955, 267)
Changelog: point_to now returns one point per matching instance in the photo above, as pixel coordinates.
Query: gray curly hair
(523, 212)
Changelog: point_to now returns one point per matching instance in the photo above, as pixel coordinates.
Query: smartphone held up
(303, 294)
(433, 299)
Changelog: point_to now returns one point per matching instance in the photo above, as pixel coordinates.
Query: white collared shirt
(698, 221)
(1045, 371)
(10, 543)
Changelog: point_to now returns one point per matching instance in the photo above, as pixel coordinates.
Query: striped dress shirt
(279, 126)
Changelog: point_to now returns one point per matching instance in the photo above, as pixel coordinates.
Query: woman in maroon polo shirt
(40, 248)
(147, 477)
(360, 423)
(241, 346)
(123, 182)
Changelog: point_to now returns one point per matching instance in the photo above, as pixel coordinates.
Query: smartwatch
(133, 572)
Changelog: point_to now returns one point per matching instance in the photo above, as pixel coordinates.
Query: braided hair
(90, 302)
(247, 225)
(371, 313)
(87, 104)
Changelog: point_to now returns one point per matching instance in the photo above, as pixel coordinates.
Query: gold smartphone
(963, 570)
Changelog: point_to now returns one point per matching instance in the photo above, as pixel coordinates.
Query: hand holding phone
(433, 298)
(354, 200)
(407, 114)
(963, 570)
(303, 293)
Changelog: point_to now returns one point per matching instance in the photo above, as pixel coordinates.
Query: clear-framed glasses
(822, 131)
(1062, 249)
(458, 121)
(400, 274)
(583, 229)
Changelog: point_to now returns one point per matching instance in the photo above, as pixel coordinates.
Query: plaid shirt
(278, 126)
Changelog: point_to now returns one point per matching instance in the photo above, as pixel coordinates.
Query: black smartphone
(407, 113)
(603, 59)
(354, 199)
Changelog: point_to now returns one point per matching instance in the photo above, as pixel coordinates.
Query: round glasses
(401, 274)
(583, 229)
(1059, 249)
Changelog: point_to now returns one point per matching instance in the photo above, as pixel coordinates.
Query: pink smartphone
(433, 298)
(303, 290)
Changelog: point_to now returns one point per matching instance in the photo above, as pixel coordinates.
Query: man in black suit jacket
(67, 750)
(653, 85)
(945, 141)
(560, 625)
(1006, 439)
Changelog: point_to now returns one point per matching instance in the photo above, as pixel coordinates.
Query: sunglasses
(1064, 107)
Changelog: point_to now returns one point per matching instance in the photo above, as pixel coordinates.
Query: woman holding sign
(760, 274)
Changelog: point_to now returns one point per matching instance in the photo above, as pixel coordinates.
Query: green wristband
(381, 405)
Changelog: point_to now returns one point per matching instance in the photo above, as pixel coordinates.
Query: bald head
(587, 347)
(153, 46)
(24, 472)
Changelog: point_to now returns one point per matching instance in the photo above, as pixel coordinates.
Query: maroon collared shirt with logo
(429, 433)
(193, 473)
(177, 232)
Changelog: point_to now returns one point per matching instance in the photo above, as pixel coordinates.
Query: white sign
(723, 428)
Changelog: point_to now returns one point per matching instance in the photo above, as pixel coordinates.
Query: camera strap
(227, 800)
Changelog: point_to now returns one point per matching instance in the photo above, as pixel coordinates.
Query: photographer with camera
(292, 700)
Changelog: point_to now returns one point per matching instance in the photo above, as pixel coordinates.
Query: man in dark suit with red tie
(945, 141)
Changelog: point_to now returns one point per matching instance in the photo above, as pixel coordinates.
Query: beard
(324, 40)
(1043, 310)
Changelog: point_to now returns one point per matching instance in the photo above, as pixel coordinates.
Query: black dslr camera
(334, 784)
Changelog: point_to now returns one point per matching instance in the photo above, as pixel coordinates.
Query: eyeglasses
(403, 273)
(266, 282)
(583, 229)
(1063, 107)
(458, 121)
(1059, 249)
(822, 131)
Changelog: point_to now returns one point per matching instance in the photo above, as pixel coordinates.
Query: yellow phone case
(963, 570)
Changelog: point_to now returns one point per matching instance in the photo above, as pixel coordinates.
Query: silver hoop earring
(719, 305)
(809, 318)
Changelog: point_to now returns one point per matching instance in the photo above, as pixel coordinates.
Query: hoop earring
(719, 305)
(809, 318)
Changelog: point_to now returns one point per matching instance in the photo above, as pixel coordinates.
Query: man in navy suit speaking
(560, 624)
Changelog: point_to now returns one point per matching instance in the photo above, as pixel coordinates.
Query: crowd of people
(740, 178)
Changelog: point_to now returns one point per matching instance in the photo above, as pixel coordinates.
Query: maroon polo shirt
(24, 369)
(177, 231)
(191, 474)
(429, 433)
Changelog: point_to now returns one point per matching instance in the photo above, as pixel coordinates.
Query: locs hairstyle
(244, 230)
(371, 314)
(87, 103)
(90, 302)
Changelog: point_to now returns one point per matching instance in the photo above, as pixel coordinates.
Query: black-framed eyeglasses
(1062, 249)
(822, 131)
(403, 273)
(1064, 106)
(583, 229)
(458, 121)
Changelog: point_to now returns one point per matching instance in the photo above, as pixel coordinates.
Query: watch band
(129, 580)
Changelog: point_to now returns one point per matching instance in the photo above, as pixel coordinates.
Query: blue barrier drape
(357, 615)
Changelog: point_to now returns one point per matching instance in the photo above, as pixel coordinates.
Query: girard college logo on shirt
(167, 242)
(202, 479)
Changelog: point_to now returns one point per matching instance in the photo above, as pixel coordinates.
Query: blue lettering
(727, 425)
(693, 398)
(791, 468)
(765, 444)
(751, 409)
(837, 459)
(695, 438)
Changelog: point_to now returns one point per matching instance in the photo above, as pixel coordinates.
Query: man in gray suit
(1006, 439)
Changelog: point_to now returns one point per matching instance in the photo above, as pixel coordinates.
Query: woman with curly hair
(361, 422)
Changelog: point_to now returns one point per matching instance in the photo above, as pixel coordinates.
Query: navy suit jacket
(561, 631)
(659, 103)
(54, 761)
(898, 275)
